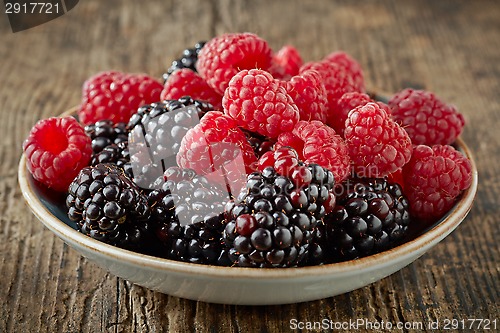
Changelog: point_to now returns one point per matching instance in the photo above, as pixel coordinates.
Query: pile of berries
(248, 157)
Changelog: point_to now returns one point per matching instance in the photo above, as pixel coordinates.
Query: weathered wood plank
(450, 47)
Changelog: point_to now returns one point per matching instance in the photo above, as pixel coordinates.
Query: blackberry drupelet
(260, 144)
(107, 206)
(104, 133)
(110, 144)
(371, 215)
(188, 213)
(273, 221)
(116, 154)
(188, 60)
(156, 131)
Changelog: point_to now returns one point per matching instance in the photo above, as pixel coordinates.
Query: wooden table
(449, 47)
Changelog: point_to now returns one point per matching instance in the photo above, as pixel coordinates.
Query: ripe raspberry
(213, 144)
(338, 115)
(309, 94)
(185, 82)
(335, 79)
(286, 63)
(434, 178)
(258, 103)
(223, 56)
(426, 118)
(317, 143)
(351, 67)
(377, 145)
(116, 96)
(56, 150)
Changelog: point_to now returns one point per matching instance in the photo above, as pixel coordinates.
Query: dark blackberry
(187, 60)
(273, 221)
(371, 215)
(106, 205)
(189, 217)
(110, 144)
(260, 144)
(106, 132)
(156, 132)
(116, 154)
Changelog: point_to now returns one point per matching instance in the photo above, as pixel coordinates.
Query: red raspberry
(213, 143)
(434, 178)
(317, 143)
(338, 115)
(224, 56)
(309, 94)
(378, 146)
(335, 79)
(426, 118)
(283, 160)
(397, 177)
(56, 150)
(351, 67)
(259, 103)
(286, 63)
(185, 82)
(116, 96)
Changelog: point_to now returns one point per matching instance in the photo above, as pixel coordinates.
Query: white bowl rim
(427, 239)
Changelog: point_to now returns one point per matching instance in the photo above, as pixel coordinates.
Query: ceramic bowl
(232, 285)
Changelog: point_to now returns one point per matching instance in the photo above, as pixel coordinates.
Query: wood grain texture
(450, 47)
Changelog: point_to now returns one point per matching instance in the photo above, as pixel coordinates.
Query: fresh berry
(309, 94)
(285, 161)
(273, 222)
(426, 118)
(286, 63)
(117, 154)
(56, 150)
(397, 177)
(188, 213)
(260, 144)
(434, 178)
(110, 144)
(104, 133)
(282, 159)
(224, 56)
(116, 96)
(338, 115)
(317, 143)
(377, 145)
(259, 103)
(335, 79)
(185, 82)
(187, 60)
(156, 132)
(107, 206)
(351, 67)
(371, 215)
(216, 146)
